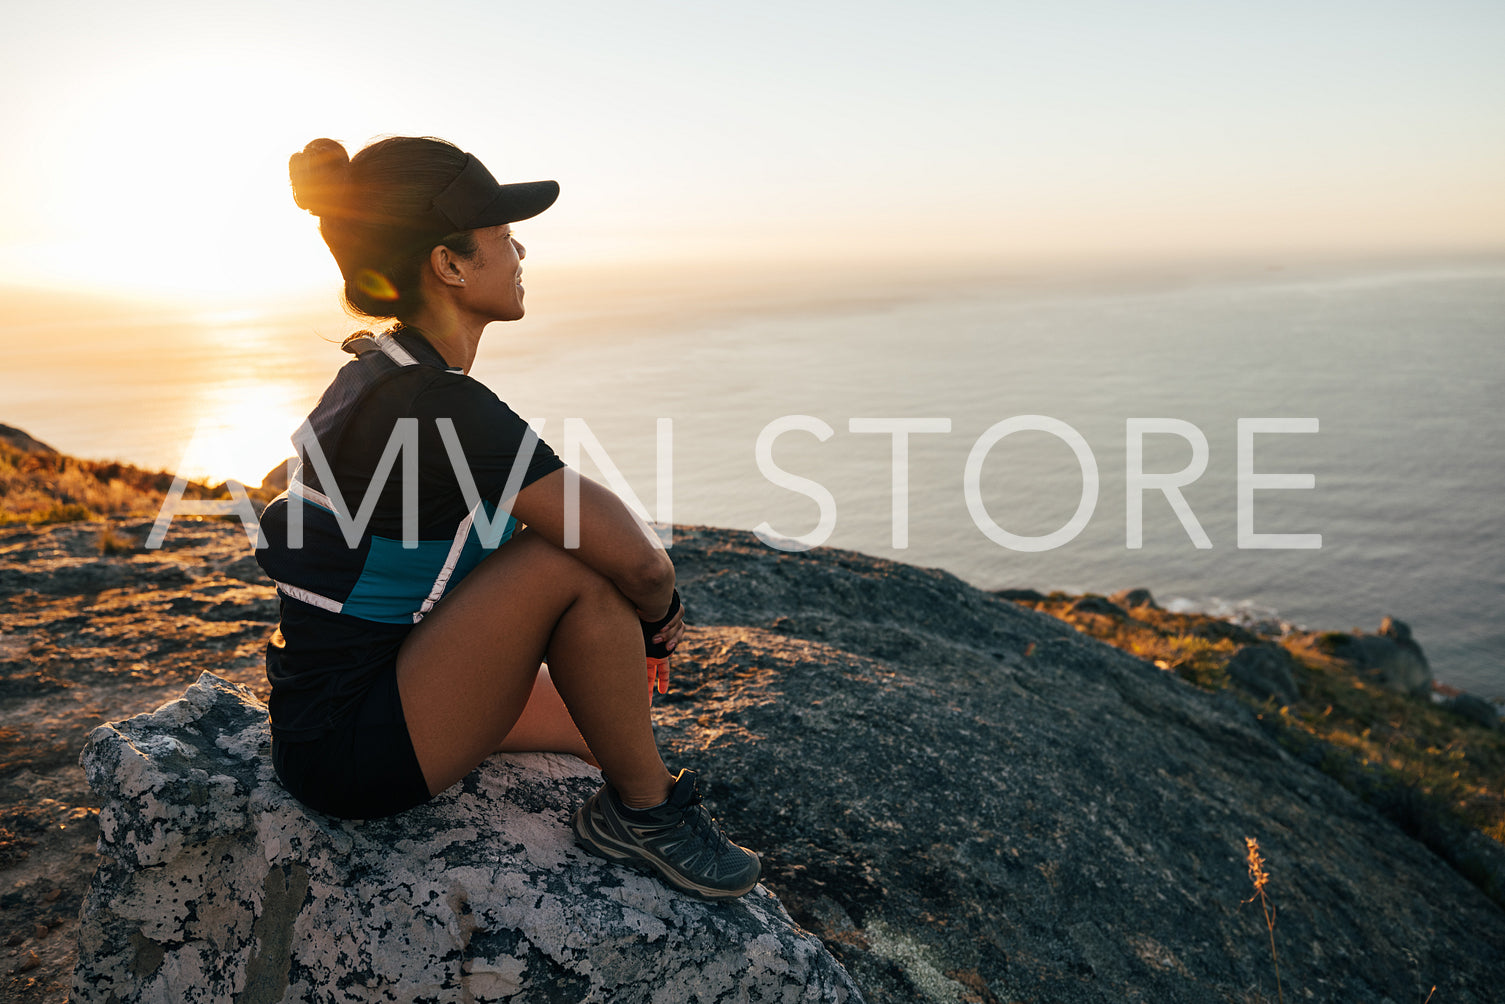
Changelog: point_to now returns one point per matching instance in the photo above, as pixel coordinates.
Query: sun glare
(177, 179)
(241, 431)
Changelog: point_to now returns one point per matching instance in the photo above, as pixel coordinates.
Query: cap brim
(520, 201)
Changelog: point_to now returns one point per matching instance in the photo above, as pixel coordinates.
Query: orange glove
(658, 653)
(658, 674)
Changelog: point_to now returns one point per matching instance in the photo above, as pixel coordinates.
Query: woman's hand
(613, 541)
(660, 637)
(670, 631)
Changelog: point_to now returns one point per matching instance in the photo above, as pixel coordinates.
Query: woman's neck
(452, 334)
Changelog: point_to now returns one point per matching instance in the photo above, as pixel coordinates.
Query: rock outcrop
(1092, 604)
(971, 801)
(1130, 599)
(278, 478)
(23, 441)
(215, 885)
(1390, 658)
(1475, 709)
(1264, 670)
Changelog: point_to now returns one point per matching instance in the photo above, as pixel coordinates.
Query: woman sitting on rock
(421, 551)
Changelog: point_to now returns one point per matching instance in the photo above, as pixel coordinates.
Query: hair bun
(320, 174)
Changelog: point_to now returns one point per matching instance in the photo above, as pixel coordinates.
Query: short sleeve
(496, 444)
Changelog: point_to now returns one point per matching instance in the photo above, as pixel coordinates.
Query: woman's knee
(560, 565)
(601, 596)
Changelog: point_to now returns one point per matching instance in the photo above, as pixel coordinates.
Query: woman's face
(495, 287)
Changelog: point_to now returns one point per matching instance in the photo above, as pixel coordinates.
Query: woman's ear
(446, 266)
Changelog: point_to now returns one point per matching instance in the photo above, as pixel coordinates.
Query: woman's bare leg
(545, 725)
(466, 672)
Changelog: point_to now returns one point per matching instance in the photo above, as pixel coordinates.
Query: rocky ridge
(966, 800)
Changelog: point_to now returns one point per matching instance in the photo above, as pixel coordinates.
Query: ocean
(1393, 369)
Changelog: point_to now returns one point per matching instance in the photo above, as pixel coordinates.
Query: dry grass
(1261, 880)
(1193, 658)
(1456, 764)
(54, 488)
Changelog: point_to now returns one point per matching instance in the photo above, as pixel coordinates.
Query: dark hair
(372, 213)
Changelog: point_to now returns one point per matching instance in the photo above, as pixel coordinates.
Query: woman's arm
(613, 540)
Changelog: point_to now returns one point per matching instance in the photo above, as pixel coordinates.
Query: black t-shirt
(320, 662)
(490, 434)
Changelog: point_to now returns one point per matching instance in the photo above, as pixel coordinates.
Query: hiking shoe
(678, 839)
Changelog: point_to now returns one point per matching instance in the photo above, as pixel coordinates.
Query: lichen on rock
(214, 884)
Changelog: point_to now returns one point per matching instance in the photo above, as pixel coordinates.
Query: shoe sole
(631, 855)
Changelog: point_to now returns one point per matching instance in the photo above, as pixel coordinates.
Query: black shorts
(365, 768)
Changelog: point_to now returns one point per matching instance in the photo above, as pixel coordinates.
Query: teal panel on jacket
(396, 580)
(473, 552)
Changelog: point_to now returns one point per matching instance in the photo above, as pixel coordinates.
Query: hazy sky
(147, 142)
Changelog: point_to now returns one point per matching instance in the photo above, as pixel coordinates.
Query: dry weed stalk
(1261, 878)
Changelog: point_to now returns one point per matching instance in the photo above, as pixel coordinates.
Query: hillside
(966, 796)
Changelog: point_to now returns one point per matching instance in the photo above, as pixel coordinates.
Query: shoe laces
(704, 826)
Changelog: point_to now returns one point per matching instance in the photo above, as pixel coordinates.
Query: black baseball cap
(475, 199)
